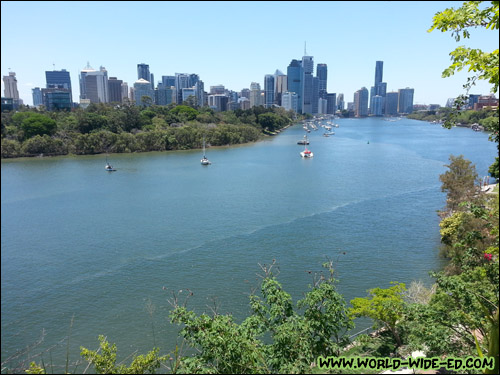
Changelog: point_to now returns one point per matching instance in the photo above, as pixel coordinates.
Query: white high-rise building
(10, 83)
(289, 101)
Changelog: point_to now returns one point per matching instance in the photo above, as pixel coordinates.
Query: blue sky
(236, 43)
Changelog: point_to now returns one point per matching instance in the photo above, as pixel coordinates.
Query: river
(88, 252)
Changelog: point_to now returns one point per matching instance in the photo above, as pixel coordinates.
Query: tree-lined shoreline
(105, 128)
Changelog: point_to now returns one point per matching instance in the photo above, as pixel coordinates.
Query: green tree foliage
(460, 21)
(105, 362)
(385, 306)
(128, 128)
(483, 65)
(459, 182)
(34, 124)
(276, 338)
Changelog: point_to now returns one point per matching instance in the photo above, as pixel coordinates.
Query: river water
(88, 252)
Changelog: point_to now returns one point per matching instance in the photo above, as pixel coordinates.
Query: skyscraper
(331, 106)
(379, 67)
(322, 73)
(255, 94)
(268, 90)
(114, 90)
(280, 86)
(307, 84)
(83, 74)
(59, 79)
(379, 89)
(10, 83)
(37, 96)
(405, 102)
(143, 91)
(96, 86)
(361, 102)
(294, 81)
(143, 72)
(391, 103)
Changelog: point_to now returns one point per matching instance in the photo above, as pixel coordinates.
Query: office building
(255, 97)
(376, 105)
(340, 102)
(143, 93)
(56, 99)
(59, 79)
(322, 73)
(268, 90)
(124, 91)
(405, 100)
(307, 84)
(114, 90)
(37, 96)
(294, 81)
(290, 101)
(331, 103)
(143, 72)
(391, 103)
(361, 102)
(280, 86)
(10, 86)
(96, 86)
(83, 75)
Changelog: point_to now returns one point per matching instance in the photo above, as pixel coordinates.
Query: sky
(236, 43)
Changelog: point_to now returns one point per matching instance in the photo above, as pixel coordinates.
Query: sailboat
(108, 166)
(204, 160)
(306, 153)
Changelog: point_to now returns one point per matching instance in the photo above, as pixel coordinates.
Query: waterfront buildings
(361, 102)
(405, 101)
(391, 103)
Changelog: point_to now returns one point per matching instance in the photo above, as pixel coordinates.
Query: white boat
(306, 153)
(204, 160)
(304, 141)
(108, 166)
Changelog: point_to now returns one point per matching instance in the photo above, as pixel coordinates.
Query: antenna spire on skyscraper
(305, 52)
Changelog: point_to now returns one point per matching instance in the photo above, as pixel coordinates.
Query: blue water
(101, 247)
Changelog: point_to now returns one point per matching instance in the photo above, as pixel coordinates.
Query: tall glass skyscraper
(307, 84)
(268, 90)
(294, 74)
(322, 73)
(379, 68)
(143, 72)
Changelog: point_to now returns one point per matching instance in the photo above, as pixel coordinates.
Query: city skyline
(233, 49)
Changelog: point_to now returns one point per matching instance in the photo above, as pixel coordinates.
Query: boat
(108, 166)
(304, 141)
(204, 160)
(306, 153)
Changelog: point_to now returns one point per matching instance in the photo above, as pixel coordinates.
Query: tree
(459, 21)
(384, 306)
(34, 124)
(275, 338)
(484, 65)
(459, 182)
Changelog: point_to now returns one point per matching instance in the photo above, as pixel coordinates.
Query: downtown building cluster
(298, 90)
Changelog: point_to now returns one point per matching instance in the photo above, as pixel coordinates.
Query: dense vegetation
(102, 128)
